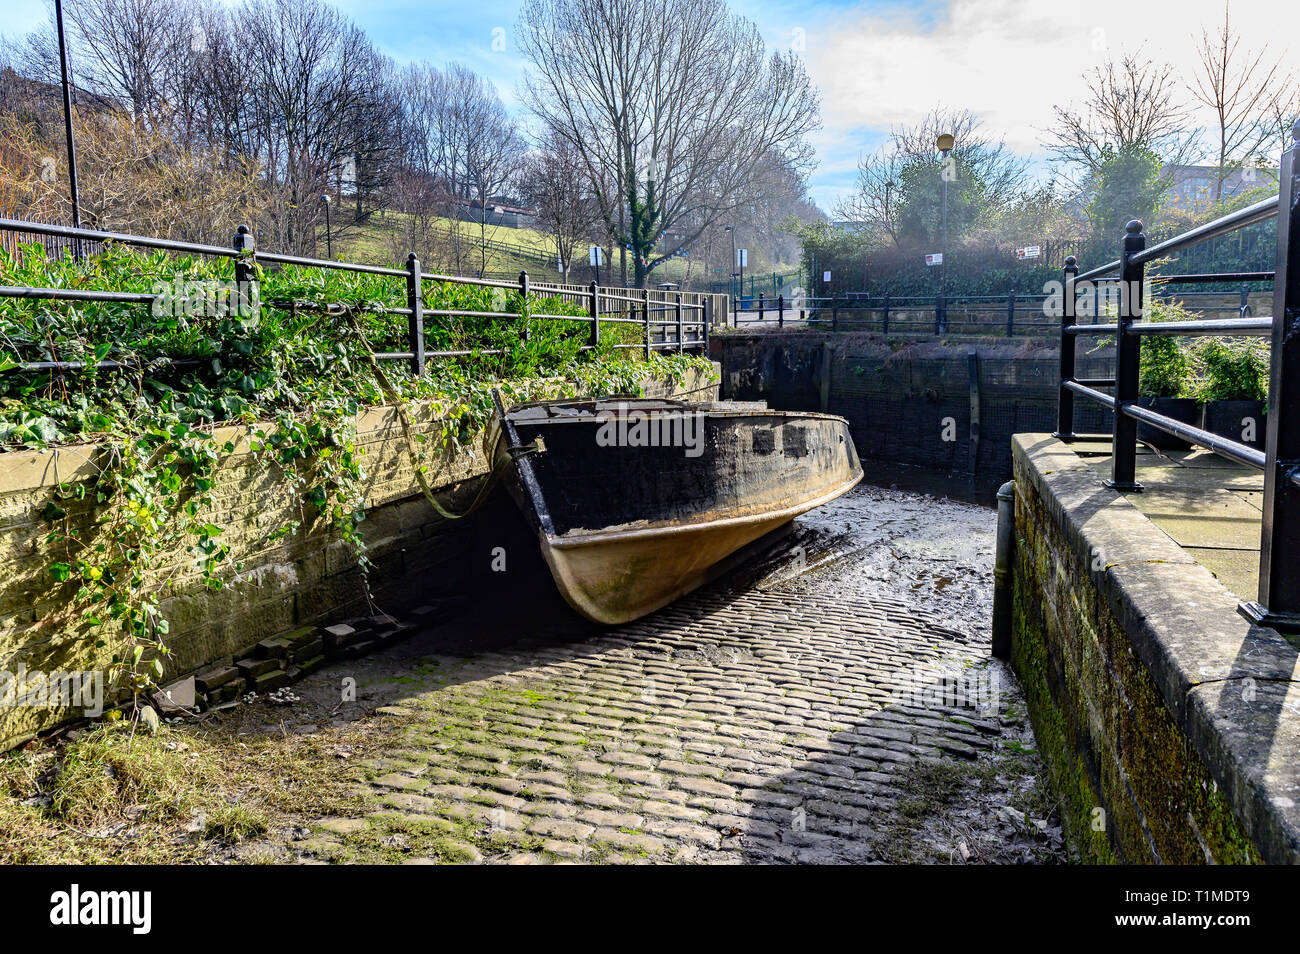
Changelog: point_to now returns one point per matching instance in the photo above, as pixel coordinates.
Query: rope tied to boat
(408, 432)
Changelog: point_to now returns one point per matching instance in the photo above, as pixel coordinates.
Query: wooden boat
(635, 501)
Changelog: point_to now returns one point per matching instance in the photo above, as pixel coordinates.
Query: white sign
(594, 255)
(1029, 251)
(935, 258)
(826, 276)
(742, 257)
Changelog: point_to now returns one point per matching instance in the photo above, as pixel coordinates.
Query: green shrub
(1234, 371)
(1165, 370)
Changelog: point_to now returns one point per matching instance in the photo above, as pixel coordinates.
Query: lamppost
(731, 277)
(329, 242)
(67, 125)
(945, 142)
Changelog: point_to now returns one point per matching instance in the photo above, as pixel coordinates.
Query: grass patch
(181, 795)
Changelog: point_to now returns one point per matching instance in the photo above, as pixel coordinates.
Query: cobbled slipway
(768, 720)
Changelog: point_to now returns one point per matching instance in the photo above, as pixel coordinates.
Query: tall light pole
(329, 241)
(67, 125)
(945, 142)
(731, 275)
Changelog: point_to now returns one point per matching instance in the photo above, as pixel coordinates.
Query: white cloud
(1007, 60)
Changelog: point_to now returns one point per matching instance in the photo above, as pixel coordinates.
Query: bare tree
(1284, 113)
(554, 184)
(672, 106)
(1129, 102)
(313, 78)
(1241, 87)
(130, 50)
(491, 148)
(459, 139)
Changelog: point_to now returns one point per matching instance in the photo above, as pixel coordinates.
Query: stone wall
(309, 577)
(909, 401)
(1168, 724)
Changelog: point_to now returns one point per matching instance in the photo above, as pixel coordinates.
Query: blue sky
(879, 63)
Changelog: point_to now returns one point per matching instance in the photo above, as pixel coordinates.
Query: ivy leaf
(60, 571)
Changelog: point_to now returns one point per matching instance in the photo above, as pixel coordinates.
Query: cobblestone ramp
(730, 727)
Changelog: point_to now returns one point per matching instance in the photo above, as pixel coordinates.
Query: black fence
(55, 246)
(1278, 604)
(1007, 315)
(677, 325)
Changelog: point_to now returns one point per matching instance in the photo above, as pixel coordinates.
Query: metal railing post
(884, 330)
(523, 302)
(645, 317)
(1279, 568)
(415, 325)
(707, 314)
(938, 313)
(245, 245)
(1128, 356)
(595, 314)
(1011, 314)
(780, 311)
(835, 313)
(761, 308)
(678, 308)
(1064, 396)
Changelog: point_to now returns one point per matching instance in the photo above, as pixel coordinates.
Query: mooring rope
(408, 433)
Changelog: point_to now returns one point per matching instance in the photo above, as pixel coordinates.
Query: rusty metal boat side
(628, 527)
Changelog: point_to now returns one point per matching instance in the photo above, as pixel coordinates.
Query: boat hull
(627, 526)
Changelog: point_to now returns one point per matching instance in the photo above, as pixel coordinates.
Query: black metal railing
(685, 327)
(1278, 602)
(1010, 315)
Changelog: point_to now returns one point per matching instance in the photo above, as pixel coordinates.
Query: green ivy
(293, 374)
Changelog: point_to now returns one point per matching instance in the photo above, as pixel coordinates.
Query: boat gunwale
(587, 417)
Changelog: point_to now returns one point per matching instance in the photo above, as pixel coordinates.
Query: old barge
(635, 501)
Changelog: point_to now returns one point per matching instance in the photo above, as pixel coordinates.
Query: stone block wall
(903, 396)
(1167, 724)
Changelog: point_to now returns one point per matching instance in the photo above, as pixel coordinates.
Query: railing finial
(1134, 240)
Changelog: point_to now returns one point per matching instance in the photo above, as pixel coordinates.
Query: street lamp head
(325, 199)
(945, 142)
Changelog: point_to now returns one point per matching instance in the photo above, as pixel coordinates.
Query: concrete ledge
(1113, 589)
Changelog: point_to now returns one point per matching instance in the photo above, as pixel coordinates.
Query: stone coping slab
(1232, 688)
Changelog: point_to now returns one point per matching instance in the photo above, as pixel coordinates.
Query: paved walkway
(1209, 506)
(777, 720)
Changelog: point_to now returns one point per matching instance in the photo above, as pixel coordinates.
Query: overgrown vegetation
(291, 373)
(112, 795)
(1235, 370)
